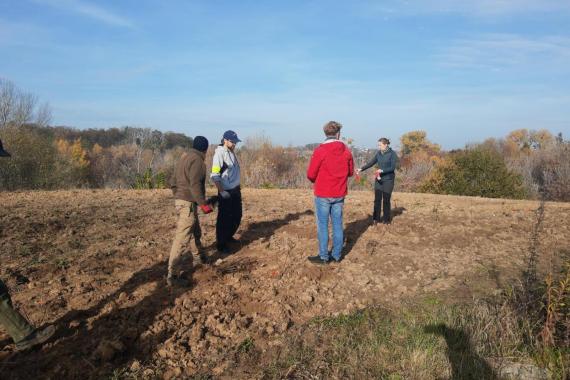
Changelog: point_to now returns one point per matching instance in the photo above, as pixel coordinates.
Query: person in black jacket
(386, 161)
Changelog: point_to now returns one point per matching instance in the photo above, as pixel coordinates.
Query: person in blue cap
(226, 176)
(22, 332)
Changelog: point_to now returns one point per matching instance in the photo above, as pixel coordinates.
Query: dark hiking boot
(36, 338)
(176, 281)
(233, 240)
(224, 249)
(387, 221)
(317, 260)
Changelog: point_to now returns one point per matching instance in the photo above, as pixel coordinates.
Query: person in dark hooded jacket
(386, 161)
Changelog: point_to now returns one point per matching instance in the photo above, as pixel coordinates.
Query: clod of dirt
(108, 349)
(172, 373)
(135, 366)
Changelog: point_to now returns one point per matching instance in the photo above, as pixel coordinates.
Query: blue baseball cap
(231, 136)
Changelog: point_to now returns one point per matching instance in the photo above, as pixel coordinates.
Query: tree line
(524, 164)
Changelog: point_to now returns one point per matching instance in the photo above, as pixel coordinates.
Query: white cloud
(92, 11)
(507, 51)
(482, 8)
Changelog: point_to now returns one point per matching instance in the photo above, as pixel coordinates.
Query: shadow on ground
(116, 334)
(465, 363)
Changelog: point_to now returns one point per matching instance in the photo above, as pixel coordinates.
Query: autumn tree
(417, 141)
(525, 141)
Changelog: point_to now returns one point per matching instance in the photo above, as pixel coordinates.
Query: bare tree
(43, 115)
(18, 108)
(7, 100)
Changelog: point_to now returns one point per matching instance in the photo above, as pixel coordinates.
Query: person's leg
(222, 222)
(199, 253)
(387, 208)
(387, 189)
(237, 211)
(184, 230)
(376, 216)
(338, 234)
(15, 324)
(322, 208)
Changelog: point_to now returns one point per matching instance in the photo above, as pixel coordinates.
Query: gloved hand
(212, 201)
(224, 194)
(206, 209)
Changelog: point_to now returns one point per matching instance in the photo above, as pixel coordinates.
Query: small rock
(135, 366)
(74, 324)
(163, 353)
(172, 373)
(122, 297)
(107, 349)
(523, 371)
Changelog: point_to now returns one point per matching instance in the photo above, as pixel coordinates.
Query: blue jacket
(387, 161)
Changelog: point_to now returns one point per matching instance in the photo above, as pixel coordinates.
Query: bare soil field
(94, 263)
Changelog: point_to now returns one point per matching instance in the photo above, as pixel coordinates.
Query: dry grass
(429, 340)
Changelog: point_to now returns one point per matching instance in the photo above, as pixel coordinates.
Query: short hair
(384, 140)
(332, 128)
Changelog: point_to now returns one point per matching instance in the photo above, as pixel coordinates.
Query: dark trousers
(16, 326)
(229, 217)
(382, 194)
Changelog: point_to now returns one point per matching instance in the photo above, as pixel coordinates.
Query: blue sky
(461, 70)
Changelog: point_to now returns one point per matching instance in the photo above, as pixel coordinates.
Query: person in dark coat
(386, 161)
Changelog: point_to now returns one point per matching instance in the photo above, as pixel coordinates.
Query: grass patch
(246, 346)
(424, 340)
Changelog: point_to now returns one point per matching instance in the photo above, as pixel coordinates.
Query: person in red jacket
(329, 169)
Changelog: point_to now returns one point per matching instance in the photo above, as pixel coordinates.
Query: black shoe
(234, 240)
(317, 260)
(177, 281)
(224, 249)
(386, 222)
(35, 338)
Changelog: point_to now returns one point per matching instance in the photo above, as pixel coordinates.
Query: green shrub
(474, 172)
(148, 180)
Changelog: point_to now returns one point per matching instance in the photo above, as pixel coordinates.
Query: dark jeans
(229, 217)
(382, 194)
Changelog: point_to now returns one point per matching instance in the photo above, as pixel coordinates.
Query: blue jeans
(329, 208)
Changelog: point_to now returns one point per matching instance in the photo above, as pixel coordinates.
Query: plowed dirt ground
(94, 263)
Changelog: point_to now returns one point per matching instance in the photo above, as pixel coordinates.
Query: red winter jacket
(329, 169)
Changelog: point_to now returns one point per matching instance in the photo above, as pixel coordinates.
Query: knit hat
(200, 143)
(3, 153)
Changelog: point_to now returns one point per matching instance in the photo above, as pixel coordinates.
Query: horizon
(462, 71)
